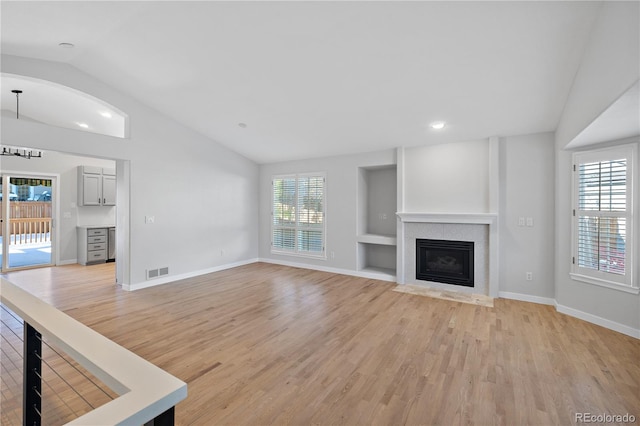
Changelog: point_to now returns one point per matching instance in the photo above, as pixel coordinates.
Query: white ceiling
(315, 79)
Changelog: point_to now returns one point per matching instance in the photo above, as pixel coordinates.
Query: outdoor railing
(30, 230)
(29, 222)
(145, 392)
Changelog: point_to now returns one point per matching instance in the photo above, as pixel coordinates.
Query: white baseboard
(67, 262)
(594, 319)
(527, 298)
(360, 274)
(172, 278)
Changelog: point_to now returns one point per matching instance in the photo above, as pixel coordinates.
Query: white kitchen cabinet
(108, 190)
(96, 186)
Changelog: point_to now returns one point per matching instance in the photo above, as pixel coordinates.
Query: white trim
(55, 213)
(67, 262)
(605, 279)
(527, 298)
(322, 256)
(603, 322)
(361, 274)
(474, 218)
(172, 278)
(604, 283)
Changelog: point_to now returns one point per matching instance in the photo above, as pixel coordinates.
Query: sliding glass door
(27, 221)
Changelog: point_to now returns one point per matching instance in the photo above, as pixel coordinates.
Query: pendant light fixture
(20, 152)
(17, 92)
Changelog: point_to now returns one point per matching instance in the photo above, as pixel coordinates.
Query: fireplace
(445, 261)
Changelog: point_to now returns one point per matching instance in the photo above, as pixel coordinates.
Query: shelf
(384, 271)
(385, 240)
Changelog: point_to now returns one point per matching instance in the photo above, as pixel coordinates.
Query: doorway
(27, 206)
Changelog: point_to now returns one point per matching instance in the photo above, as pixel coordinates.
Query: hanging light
(17, 92)
(20, 152)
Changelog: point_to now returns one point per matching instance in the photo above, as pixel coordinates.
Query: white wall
(65, 167)
(204, 197)
(609, 67)
(341, 205)
(527, 170)
(447, 178)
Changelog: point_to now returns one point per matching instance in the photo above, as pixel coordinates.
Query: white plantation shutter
(603, 215)
(284, 213)
(298, 225)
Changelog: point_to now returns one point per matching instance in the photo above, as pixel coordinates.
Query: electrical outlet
(530, 221)
(529, 276)
(333, 254)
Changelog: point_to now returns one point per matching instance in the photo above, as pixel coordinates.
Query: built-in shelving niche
(377, 201)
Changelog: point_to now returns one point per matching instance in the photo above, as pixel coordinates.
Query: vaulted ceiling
(277, 81)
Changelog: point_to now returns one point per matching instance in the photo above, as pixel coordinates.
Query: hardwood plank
(269, 344)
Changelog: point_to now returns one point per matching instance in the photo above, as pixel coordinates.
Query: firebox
(445, 261)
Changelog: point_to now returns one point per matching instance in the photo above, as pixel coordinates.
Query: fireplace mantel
(480, 218)
(406, 243)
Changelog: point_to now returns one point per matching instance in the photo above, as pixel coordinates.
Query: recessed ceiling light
(243, 125)
(67, 45)
(106, 114)
(438, 125)
(83, 125)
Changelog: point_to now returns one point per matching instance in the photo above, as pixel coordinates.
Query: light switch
(150, 219)
(521, 221)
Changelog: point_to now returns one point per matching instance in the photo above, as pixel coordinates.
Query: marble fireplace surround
(481, 228)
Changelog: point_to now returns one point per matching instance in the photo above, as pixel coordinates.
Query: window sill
(322, 256)
(605, 284)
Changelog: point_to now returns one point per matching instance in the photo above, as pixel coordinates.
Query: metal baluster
(32, 401)
(165, 419)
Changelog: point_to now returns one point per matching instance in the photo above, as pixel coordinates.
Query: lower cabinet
(92, 245)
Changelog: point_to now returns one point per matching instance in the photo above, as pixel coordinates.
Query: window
(298, 225)
(603, 217)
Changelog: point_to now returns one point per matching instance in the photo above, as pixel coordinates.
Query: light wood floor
(267, 344)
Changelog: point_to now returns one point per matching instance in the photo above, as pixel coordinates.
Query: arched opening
(61, 106)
